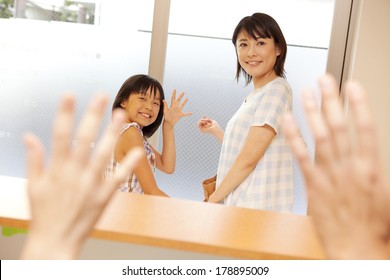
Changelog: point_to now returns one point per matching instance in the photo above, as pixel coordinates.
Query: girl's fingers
(165, 107)
(88, 128)
(187, 114)
(180, 97)
(62, 130)
(173, 98)
(184, 103)
(334, 115)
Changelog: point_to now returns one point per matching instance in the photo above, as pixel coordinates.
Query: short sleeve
(272, 104)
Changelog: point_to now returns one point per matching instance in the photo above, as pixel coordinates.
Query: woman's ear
(123, 104)
(278, 51)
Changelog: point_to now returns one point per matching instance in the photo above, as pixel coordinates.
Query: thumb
(165, 107)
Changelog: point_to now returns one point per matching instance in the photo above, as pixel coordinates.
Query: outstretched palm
(174, 113)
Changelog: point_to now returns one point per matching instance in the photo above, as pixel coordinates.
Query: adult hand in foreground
(68, 196)
(348, 193)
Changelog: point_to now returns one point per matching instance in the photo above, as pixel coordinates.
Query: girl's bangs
(153, 89)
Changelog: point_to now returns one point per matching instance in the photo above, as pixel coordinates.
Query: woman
(255, 166)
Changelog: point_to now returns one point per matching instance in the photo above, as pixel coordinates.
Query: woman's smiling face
(257, 57)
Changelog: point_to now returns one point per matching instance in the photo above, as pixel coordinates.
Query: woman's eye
(261, 43)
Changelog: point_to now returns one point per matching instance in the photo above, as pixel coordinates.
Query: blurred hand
(68, 196)
(348, 193)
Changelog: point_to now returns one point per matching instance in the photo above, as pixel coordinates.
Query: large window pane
(42, 59)
(201, 60)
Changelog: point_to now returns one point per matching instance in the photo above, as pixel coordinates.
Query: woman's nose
(251, 51)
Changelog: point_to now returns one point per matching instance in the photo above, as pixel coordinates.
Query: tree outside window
(5, 8)
(50, 10)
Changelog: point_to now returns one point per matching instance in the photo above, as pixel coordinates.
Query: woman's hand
(207, 125)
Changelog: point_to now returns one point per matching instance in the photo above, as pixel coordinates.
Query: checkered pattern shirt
(270, 185)
(131, 184)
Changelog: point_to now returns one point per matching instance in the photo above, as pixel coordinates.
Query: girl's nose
(148, 105)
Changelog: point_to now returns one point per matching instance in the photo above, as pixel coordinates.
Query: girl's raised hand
(174, 113)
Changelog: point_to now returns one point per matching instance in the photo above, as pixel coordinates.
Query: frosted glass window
(201, 61)
(42, 59)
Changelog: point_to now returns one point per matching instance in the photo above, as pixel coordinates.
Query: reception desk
(199, 227)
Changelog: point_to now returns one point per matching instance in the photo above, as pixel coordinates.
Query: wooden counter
(186, 225)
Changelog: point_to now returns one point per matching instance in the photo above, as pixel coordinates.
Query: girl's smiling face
(142, 108)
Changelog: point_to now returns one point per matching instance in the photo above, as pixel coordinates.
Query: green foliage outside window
(69, 15)
(5, 11)
(65, 13)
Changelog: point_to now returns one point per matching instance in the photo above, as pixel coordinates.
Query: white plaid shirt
(270, 185)
(131, 184)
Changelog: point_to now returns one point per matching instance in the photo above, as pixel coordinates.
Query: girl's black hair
(141, 84)
(265, 26)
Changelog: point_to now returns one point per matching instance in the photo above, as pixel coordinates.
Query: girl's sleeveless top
(131, 184)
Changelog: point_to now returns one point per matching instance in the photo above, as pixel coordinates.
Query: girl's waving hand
(174, 113)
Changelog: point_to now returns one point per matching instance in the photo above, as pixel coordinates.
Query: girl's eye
(242, 45)
(156, 103)
(142, 98)
(261, 43)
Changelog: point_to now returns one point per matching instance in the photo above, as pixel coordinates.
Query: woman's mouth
(253, 63)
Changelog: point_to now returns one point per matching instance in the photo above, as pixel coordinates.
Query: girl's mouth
(146, 116)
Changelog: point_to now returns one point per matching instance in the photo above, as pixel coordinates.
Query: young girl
(255, 166)
(142, 97)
